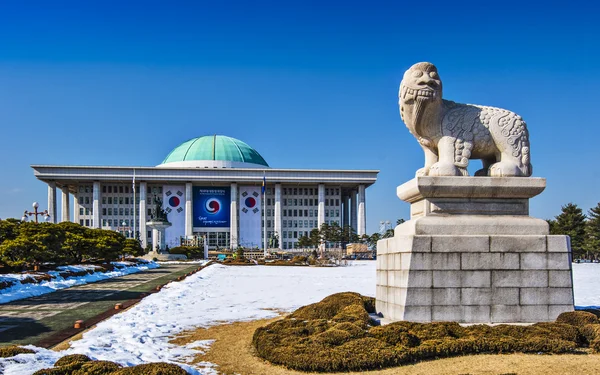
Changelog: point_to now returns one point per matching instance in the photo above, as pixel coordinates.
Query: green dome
(215, 148)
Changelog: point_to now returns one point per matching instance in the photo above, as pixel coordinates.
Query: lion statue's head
(421, 87)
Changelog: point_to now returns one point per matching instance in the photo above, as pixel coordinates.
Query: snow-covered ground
(221, 294)
(586, 284)
(20, 291)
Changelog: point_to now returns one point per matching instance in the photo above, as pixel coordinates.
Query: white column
(233, 226)
(277, 214)
(353, 213)
(143, 218)
(189, 219)
(52, 201)
(345, 211)
(65, 210)
(155, 240)
(321, 209)
(76, 205)
(362, 212)
(96, 207)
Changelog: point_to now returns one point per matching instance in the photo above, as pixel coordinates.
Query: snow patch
(20, 291)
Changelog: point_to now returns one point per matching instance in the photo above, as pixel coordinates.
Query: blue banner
(211, 207)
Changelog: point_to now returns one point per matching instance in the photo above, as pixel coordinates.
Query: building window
(337, 212)
(269, 223)
(295, 191)
(295, 234)
(121, 211)
(337, 202)
(306, 213)
(149, 212)
(110, 222)
(284, 190)
(285, 223)
(120, 200)
(126, 211)
(300, 213)
(87, 222)
(104, 211)
(80, 210)
(284, 234)
(127, 200)
(110, 211)
(326, 213)
(87, 211)
(295, 213)
(80, 221)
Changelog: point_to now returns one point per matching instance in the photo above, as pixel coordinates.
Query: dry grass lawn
(233, 353)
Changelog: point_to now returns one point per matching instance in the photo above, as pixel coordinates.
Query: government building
(210, 186)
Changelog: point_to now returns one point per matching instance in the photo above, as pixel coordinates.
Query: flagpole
(264, 198)
(133, 225)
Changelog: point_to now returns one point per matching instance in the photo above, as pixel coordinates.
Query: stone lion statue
(451, 133)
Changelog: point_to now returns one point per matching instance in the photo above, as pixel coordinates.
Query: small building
(358, 250)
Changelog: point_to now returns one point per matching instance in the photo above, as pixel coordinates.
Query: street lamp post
(35, 213)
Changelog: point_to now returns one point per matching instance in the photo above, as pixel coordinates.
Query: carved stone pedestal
(472, 254)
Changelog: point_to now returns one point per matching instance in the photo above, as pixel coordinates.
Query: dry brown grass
(233, 353)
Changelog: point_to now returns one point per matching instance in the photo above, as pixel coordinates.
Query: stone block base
(474, 278)
(471, 254)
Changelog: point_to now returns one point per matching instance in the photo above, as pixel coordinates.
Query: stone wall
(474, 278)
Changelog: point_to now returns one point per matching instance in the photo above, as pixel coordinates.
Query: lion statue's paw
(505, 169)
(446, 169)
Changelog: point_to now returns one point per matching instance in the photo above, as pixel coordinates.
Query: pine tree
(592, 231)
(571, 222)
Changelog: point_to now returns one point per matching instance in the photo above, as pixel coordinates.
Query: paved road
(30, 320)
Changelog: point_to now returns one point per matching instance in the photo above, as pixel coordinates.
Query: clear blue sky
(309, 84)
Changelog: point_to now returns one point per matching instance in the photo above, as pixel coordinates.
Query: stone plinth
(471, 254)
(158, 234)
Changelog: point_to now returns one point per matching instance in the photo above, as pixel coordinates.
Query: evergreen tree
(592, 231)
(571, 222)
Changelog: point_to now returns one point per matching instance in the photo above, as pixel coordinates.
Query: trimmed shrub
(394, 334)
(11, 351)
(354, 330)
(72, 358)
(337, 334)
(355, 314)
(328, 307)
(577, 318)
(590, 332)
(158, 368)
(98, 368)
(593, 311)
(60, 370)
(333, 337)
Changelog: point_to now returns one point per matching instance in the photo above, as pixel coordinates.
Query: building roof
(214, 150)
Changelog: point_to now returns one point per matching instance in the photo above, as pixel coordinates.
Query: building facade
(210, 186)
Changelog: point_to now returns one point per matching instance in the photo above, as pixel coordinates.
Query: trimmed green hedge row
(337, 334)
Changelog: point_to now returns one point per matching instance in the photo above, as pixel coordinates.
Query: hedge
(337, 334)
(78, 365)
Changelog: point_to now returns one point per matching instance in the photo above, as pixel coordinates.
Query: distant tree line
(333, 233)
(24, 244)
(583, 229)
